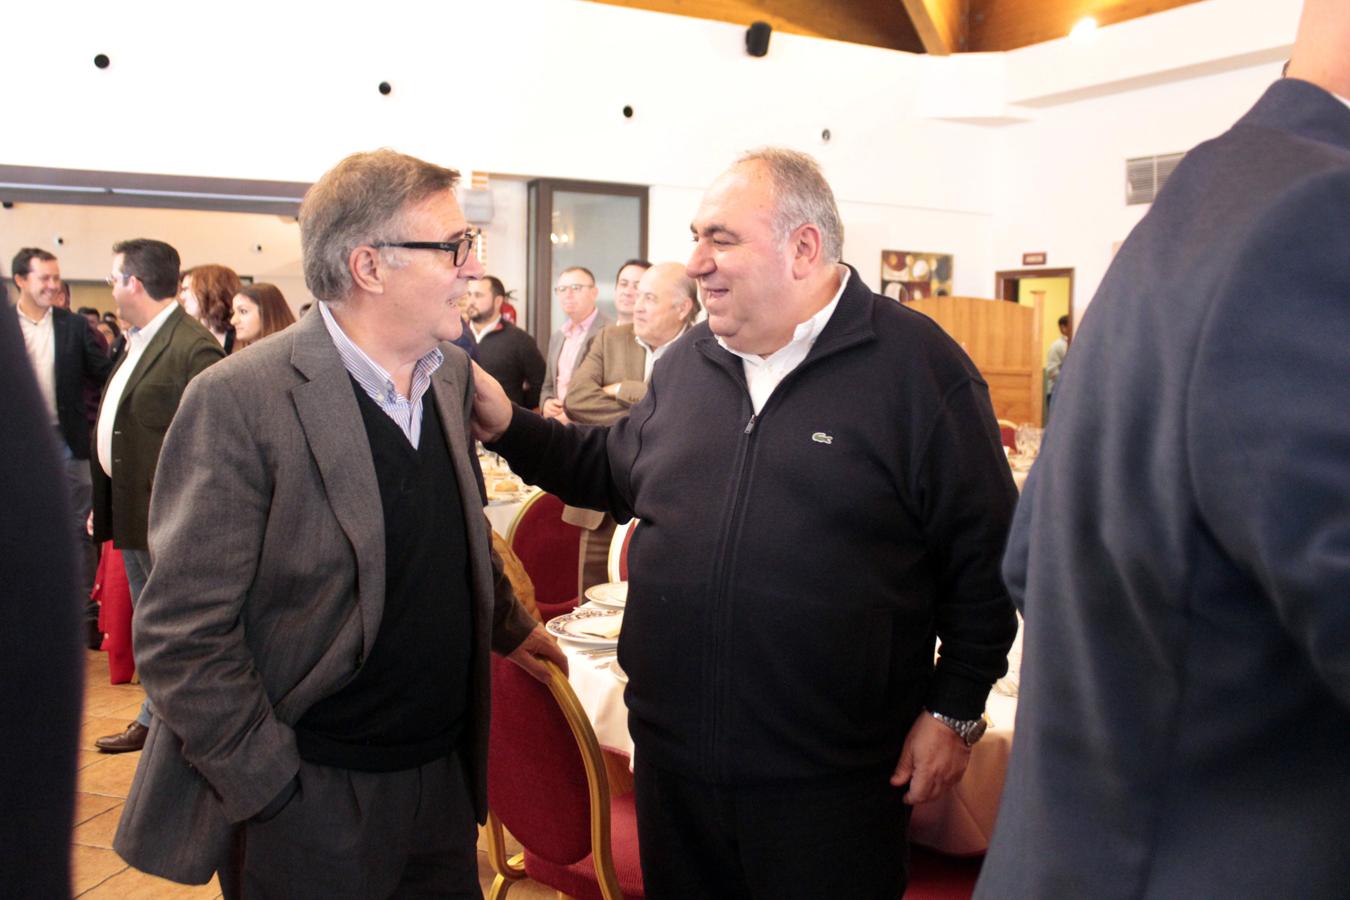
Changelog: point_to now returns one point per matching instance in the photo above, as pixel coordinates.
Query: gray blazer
(555, 345)
(267, 588)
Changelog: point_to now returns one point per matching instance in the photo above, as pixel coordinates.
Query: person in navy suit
(69, 360)
(1181, 552)
(41, 673)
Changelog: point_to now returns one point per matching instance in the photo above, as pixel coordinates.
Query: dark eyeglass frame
(458, 248)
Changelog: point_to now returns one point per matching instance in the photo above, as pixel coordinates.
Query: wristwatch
(969, 730)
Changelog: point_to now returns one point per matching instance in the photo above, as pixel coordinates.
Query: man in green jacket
(166, 348)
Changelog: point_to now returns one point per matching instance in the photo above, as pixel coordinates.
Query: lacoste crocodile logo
(821, 437)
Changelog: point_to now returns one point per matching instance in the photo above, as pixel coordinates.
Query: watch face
(977, 730)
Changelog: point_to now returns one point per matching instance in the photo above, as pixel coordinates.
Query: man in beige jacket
(613, 377)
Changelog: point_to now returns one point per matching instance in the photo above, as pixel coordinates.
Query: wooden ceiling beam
(875, 23)
(1008, 24)
(941, 24)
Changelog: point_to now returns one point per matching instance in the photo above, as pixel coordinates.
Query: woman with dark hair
(206, 293)
(259, 310)
(111, 333)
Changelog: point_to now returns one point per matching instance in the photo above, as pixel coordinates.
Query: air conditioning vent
(1145, 176)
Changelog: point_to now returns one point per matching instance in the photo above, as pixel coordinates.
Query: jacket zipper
(716, 764)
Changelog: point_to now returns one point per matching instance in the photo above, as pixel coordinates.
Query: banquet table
(503, 508)
(960, 823)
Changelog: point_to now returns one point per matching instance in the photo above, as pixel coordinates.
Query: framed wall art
(908, 275)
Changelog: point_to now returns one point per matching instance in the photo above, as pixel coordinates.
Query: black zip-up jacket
(793, 567)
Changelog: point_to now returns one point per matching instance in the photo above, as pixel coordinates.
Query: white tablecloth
(601, 694)
(960, 823)
(501, 513)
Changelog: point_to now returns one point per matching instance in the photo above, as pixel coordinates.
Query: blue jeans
(137, 564)
(79, 485)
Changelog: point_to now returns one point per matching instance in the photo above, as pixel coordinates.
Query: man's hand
(612, 390)
(538, 645)
(553, 409)
(491, 408)
(933, 759)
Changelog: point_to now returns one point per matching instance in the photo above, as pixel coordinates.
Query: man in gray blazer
(576, 292)
(315, 631)
(1181, 552)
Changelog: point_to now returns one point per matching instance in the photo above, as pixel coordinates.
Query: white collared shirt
(763, 374)
(137, 340)
(478, 333)
(654, 355)
(39, 339)
(379, 386)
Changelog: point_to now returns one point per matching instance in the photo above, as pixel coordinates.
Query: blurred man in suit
(505, 351)
(67, 357)
(626, 288)
(613, 377)
(576, 292)
(41, 670)
(166, 348)
(322, 704)
(1181, 552)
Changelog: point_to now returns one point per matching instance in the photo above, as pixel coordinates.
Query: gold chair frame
(616, 548)
(510, 871)
(520, 514)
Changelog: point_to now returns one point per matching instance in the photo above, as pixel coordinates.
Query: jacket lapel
(158, 344)
(448, 389)
(331, 419)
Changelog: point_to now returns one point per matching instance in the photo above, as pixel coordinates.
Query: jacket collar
(850, 326)
(1304, 109)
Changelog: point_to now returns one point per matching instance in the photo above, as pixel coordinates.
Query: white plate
(566, 626)
(613, 594)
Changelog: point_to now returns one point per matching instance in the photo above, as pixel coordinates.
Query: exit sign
(1033, 259)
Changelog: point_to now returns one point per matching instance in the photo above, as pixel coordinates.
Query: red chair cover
(541, 796)
(548, 548)
(623, 552)
(935, 876)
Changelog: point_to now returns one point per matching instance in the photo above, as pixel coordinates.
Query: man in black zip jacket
(823, 493)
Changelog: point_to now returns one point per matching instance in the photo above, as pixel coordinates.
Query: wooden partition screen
(1003, 341)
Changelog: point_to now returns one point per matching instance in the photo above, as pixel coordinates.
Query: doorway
(580, 223)
(1049, 292)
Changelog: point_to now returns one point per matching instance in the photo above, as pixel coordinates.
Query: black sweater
(793, 568)
(406, 704)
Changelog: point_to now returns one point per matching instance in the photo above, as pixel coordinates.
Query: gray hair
(361, 200)
(801, 196)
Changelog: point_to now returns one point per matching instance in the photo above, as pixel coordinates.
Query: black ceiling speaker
(757, 38)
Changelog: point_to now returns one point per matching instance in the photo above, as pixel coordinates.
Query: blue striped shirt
(375, 381)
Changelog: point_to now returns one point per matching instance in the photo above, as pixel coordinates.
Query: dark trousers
(842, 836)
(350, 834)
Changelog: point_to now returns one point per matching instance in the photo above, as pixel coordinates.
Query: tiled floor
(102, 785)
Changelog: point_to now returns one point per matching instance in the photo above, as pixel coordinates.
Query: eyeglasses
(115, 279)
(460, 248)
(562, 289)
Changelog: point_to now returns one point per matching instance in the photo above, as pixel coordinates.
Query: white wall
(983, 156)
(88, 233)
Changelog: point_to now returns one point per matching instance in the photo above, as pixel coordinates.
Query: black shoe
(93, 637)
(131, 739)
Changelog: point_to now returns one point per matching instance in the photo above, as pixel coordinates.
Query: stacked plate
(613, 595)
(597, 627)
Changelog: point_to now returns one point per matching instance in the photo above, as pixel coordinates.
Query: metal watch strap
(969, 730)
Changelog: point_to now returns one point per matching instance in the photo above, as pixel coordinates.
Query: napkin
(606, 627)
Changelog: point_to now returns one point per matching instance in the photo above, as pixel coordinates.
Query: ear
(367, 269)
(805, 245)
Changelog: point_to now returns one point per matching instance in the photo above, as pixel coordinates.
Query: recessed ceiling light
(1085, 28)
